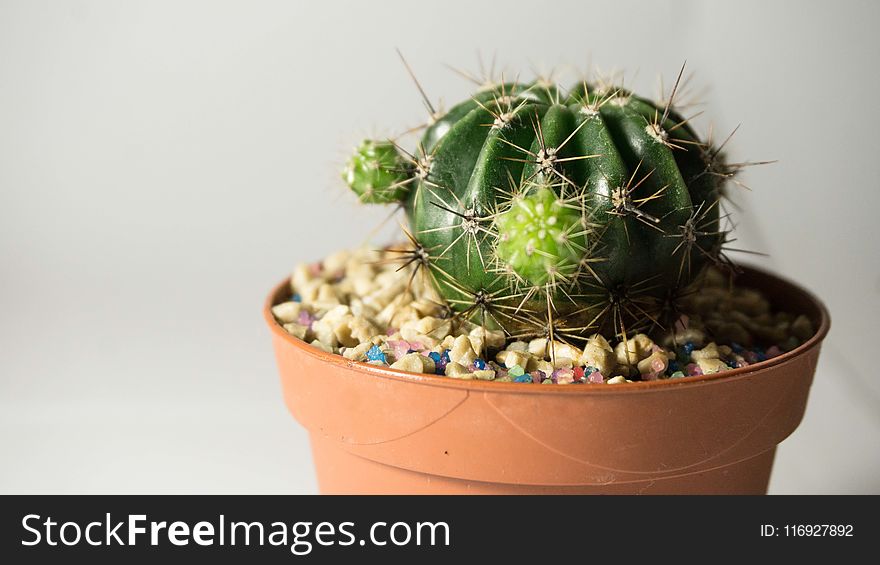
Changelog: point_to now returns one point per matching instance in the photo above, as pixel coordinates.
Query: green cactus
(540, 211)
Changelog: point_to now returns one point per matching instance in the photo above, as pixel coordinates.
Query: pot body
(378, 430)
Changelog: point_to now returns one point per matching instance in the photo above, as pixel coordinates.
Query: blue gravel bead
(526, 378)
(375, 354)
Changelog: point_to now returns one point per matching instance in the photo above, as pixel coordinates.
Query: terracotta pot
(380, 430)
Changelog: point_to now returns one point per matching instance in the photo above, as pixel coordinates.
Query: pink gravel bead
(773, 351)
(305, 319)
(596, 377)
(692, 370)
(564, 376)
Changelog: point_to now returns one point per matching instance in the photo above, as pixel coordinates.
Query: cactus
(541, 211)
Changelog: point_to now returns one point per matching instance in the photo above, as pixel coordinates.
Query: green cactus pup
(542, 211)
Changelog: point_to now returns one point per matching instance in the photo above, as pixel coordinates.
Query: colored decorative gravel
(366, 309)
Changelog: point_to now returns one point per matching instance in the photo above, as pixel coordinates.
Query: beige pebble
(802, 328)
(730, 332)
(324, 333)
(362, 329)
(462, 351)
(434, 327)
(484, 374)
(363, 286)
(409, 332)
(358, 308)
(492, 339)
(517, 346)
(321, 345)
(387, 297)
(598, 354)
(308, 291)
(783, 317)
(749, 301)
(403, 315)
(460, 329)
(343, 331)
(561, 350)
(336, 313)
(426, 307)
(538, 347)
(457, 371)
(386, 311)
(563, 363)
(735, 317)
(616, 380)
(357, 352)
(414, 363)
(476, 343)
(336, 262)
(598, 340)
(646, 365)
(286, 312)
(447, 343)
(296, 330)
(692, 335)
(708, 352)
(326, 298)
(511, 358)
(633, 350)
(771, 334)
(709, 365)
(301, 276)
(536, 364)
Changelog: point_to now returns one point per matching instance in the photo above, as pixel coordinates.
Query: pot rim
(523, 388)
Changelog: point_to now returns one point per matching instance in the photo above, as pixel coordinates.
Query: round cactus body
(588, 208)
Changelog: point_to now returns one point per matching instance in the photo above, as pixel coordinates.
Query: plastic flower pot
(380, 430)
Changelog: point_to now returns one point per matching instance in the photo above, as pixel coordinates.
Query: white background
(163, 164)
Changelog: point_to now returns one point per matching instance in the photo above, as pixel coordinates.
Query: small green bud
(540, 237)
(377, 173)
